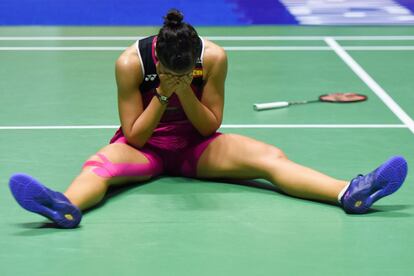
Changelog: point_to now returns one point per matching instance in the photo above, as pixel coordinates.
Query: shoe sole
(35, 198)
(388, 179)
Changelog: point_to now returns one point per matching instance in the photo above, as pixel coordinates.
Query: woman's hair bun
(173, 18)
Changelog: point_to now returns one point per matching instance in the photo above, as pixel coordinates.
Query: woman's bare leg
(238, 157)
(115, 164)
(88, 189)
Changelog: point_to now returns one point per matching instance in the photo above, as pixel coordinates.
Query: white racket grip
(264, 106)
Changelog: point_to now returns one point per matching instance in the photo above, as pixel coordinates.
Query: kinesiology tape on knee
(108, 169)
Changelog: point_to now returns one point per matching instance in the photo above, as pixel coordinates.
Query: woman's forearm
(202, 118)
(145, 124)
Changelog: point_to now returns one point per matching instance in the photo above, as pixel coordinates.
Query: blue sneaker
(35, 197)
(364, 190)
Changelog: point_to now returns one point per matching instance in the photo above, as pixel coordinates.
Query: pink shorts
(175, 154)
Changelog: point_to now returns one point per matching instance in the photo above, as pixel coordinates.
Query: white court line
(374, 37)
(216, 38)
(305, 38)
(227, 48)
(371, 83)
(315, 126)
(240, 126)
(317, 48)
(276, 48)
(378, 48)
(62, 48)
(235, 48)
(69, 38)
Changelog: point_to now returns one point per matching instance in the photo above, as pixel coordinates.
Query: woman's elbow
(133, 141)
(210, 130)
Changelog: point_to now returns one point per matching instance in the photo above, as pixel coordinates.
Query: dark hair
(177, 43)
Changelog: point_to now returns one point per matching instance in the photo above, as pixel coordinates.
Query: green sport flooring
(58, 106)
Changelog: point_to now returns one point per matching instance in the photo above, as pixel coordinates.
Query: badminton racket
(331, 98)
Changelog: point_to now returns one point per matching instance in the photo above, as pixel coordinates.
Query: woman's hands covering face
(170, 83)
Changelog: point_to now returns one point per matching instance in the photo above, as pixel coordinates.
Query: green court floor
(58, 106)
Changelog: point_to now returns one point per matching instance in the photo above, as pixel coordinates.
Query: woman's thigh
(237, 156)
(120, 162)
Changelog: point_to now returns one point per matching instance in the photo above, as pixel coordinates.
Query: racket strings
(342, 97)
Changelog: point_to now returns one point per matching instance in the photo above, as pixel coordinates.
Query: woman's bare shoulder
(128, 68)
(129, 60)
(213, 51)
(214, 58)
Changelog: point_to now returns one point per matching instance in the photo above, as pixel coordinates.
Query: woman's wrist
(183, 92)
(161, 92)
(162, 97)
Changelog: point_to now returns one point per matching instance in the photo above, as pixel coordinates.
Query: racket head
(348, 97)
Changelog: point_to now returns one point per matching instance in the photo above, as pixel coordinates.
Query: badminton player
(170, 101)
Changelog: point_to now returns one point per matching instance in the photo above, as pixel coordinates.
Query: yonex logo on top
(150, 77)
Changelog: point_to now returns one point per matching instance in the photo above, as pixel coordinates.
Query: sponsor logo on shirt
(150, 77)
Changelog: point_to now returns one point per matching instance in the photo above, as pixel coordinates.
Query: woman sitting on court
(170, 100)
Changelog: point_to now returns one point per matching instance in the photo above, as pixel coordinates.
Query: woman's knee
(272, 152)
(278, 153)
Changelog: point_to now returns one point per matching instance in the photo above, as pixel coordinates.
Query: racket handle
(264, 106)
